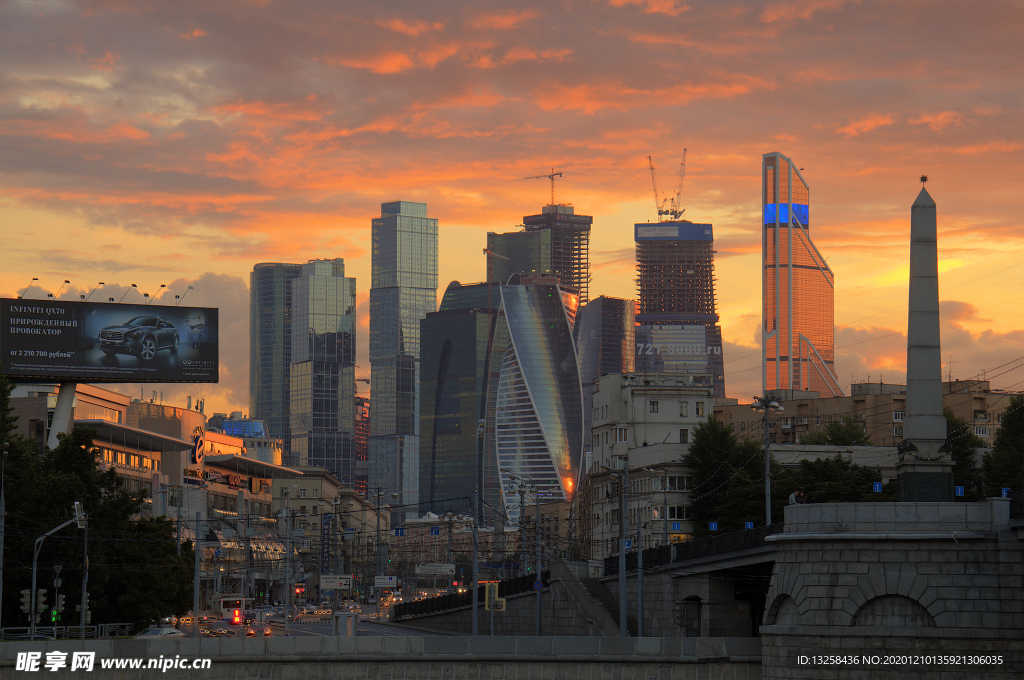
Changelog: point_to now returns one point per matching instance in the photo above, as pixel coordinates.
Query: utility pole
(540, 580)
(768, 405)
(476, 563)
(3, 522)
(623, 509)
(195, 580)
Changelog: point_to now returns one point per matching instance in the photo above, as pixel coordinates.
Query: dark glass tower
(323, 377)
(270, 347)
(798, 290)
(557, 240)
(605, 336)
(677, 324)
(455, 384)
(403, 292)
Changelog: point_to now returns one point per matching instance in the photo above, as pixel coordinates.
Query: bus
(227, 605)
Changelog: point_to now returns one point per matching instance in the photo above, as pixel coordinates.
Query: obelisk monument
(925, 469)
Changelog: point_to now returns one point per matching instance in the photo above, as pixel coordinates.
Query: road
(312, 625)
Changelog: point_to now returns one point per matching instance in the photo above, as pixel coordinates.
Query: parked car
(142, 336)
(154, 633)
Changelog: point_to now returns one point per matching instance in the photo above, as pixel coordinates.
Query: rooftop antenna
(552, 177)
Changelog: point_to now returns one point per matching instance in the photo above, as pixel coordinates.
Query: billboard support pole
(62, 413)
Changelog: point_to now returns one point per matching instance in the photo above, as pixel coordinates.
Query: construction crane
(671, 207)
(552, 177)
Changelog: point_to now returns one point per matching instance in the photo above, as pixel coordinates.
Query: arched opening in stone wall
(893, 610)
(783, 612)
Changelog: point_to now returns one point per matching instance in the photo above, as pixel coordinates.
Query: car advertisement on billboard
(104, 342)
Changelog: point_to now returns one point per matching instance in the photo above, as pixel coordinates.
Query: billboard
(104, 342)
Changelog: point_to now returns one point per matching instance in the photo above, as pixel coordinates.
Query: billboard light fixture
(94, 290)
(34, 278)
(181, 297)
(126, 294)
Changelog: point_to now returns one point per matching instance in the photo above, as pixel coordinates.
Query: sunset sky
(181, 142)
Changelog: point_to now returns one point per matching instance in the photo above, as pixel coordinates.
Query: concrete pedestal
(893, 590)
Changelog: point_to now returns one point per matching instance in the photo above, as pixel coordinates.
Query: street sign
(629, 544)
(959, 491)
(714, 526)
(57, 582)
(538, 585)
(385, 581)
(435, 569)
(750, 525)
(435, 531)
(876, 487)
(329, 582)
(1006, 492)
(400, 531)
(677, 526)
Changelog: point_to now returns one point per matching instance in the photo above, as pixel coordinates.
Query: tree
(728, 480)
(846, 432)
(134, 574)
(838, 480)
(963, 445)
(1004, 466)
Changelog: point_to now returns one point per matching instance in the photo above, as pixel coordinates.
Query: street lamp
(181, 297)
(768, 405)
(521, 483)
(177, 524)
(94, 290)
(623, 479)
(381, 492)
(30, 284)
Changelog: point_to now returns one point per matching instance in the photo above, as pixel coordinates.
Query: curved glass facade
(539, 419)
(798, 290)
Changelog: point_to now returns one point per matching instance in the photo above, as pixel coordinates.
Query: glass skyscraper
(677, 322)
(605, 336)
(270, 347)
(323, 387)
(456, 395)
(557, 240)
(403, 291)
(539, 418)
(798, 289)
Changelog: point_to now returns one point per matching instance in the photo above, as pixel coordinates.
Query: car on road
(141, 336)
(161, 633)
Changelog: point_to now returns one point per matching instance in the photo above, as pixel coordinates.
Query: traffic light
(54, 615)
(26, 601)
(59, 605)
(236, 618)
(679, 614)
(40, 599)
(298, 590)
(85, 600)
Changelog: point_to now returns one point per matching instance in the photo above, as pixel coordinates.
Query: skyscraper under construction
(677, 324)
(557, 241)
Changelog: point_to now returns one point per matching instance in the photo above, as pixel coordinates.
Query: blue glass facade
(677, 322)
(323, 369)
(539, 418)
(270, 347)
(403, 291)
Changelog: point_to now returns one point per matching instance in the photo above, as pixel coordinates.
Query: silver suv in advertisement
(142, 337)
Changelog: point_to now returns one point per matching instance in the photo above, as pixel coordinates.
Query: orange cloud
(867, 124)
(667, 7)
(525, 54)
(504, 22)
(411, 28)
(193, 34)
(799, 9)
(937, 121)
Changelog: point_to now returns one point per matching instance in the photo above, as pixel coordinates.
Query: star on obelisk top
(924, 178)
